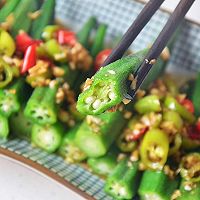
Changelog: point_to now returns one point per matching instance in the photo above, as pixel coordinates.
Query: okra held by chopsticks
(41, 106)
(122, 183)
(108, 86)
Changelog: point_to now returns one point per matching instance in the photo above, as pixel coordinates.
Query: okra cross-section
(47, 137)
(4, 127)
(41, 107)
(122, 183)
(108, 86)
(8, 103)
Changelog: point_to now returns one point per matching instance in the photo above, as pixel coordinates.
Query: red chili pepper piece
(187, 104)
(101, 57)
(66, 37)
(137, 134)
(23, 41)
(198, 125)
(30, 58)
(193, 133)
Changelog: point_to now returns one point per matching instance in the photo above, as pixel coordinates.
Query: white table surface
(20, 182)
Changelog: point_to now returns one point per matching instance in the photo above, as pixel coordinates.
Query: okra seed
(96, 104)
(111, 72)
(89, 100)
(111, 95)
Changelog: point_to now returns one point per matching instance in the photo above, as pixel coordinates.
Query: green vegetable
(20, 125)
(124, 145)
(7, 9)
(68, 148)
(98, 42)
(96, 134)
(154, 149)
(11, 98)
(6, 74)
(70, 76)
(84, 34)
(109, 85)
(4, 127)
(52, 47)
(195, 96)
(103, 165)
(122, 183)
(171, 85)
(48, 32)
(173, 118)
(154, 73)
(189, 144)
(41, 106)
(175, 144)
(47, 137)
(156, 185)
(172, 104)
(22, 20)
(7, 43)
(150, 103)
(46, 17)
(192, 194)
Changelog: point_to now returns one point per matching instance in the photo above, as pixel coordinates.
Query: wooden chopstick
(160, 43)
(142, 19)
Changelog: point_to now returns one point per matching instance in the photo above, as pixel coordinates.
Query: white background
(193, 14)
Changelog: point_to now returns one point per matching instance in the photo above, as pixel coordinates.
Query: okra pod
(47, 137)
(154, 73)
(96, 134)
(11, 98)
(156, 185)
(41, 106)
(108, 86)
(84, 34)
(189, 191)
(4, 127)
(68, 148)
(20, 125)
(103, 165)
(21, 19)
(7, 9)
(46, 17)
(122, 183)
(195, 96)
(98, 42)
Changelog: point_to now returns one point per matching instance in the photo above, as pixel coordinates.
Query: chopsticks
(142, 19)
(159, 44)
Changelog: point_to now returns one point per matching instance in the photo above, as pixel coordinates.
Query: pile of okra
(55, 94)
